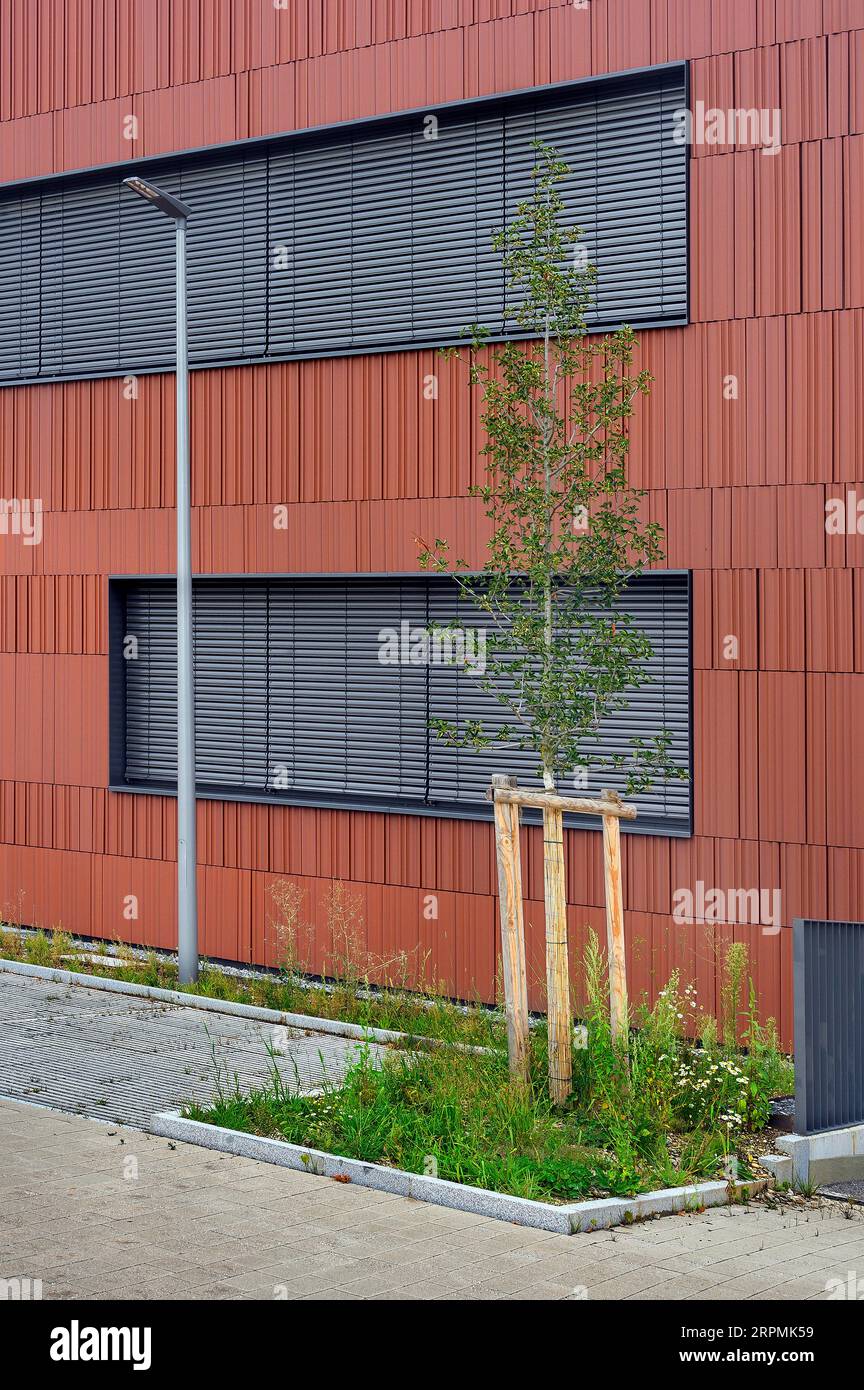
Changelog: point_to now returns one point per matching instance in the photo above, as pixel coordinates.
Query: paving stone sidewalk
(96, 1211)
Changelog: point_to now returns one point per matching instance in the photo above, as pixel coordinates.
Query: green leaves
(567, 529)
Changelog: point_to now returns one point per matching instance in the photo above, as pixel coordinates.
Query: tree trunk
(618, 1009)
(512, 931)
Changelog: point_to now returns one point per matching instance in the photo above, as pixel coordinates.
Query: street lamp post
(187, 908)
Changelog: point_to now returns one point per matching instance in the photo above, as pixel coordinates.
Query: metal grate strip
(829, 1024)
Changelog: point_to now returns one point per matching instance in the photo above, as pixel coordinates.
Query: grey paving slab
(190, 1224)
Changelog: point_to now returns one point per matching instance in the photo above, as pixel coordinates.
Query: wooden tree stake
(557, 963)
(512, 930)
(507, 800)
(615, 925)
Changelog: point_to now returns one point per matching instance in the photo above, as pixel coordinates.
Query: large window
(317, 691)
(369, 235)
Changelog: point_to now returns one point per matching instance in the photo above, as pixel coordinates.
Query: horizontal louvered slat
(227, 259)
(321, 250)
(80, 280)
(293, 697)
(658, 606)
(147, 289)
(381, 239)
(345, 240)
(457, 206)
(20, 251)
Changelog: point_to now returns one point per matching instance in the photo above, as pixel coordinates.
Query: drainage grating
(115, 1057)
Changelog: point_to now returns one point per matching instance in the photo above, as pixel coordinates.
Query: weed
(675, 1116)
(734, 972)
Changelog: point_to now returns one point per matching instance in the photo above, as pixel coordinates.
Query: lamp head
(165, 202)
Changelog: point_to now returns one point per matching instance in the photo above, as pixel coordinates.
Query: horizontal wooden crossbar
(609, 803)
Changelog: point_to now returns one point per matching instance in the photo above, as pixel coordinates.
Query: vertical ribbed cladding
(829, 1024)
(740, 487)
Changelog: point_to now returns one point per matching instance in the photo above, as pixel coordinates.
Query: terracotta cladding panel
(53, 613)
(856, 79)
(809, 411)
(190, 79)
(853, 207)
(325, 431)
(754, 527)
(715, 772)
(764, 393)
(689, 529)
(202, 113)
(681, 29)
(781, 620)
(801, 527)
(733, 620)
(714, 247)
(804, 880)
(778, 232)
(845, 883)
(848, 385)
(363, 464)
(712, 83)
(844, 750)
(804, 90)
(624, 41)
(99, 50)
(734, 26)
(831, 612)
(647, 875)
(796, 19)
(757, 78)
(782, 803)
(748, 757)
(724, 361)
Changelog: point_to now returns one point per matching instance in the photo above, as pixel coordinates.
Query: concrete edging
(307, 1022)
(569, 1219)
(831, 1155)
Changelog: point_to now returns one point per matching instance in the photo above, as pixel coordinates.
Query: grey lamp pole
(187, 907)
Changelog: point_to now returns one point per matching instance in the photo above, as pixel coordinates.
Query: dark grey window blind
(293, 701)
(351, 239)
(659, 606)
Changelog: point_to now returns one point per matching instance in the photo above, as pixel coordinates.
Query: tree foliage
(567, 529)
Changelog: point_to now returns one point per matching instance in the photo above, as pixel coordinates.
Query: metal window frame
(119, 583)
(488, 104)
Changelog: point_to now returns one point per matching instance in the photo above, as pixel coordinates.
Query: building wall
(365, 465)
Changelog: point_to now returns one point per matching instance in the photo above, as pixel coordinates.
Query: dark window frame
(467, 810)
(640, 79)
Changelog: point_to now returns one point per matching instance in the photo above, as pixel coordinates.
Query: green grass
(672, 1112)
(420, 1015)
(454, 1114)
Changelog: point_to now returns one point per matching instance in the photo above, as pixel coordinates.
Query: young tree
(567, 535)
(567, 530)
